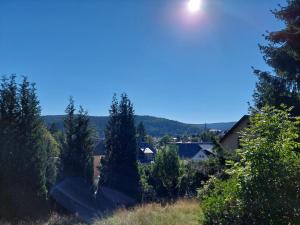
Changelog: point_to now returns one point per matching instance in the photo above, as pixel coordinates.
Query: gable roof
(228, 133)
(148, 151)
(144, 145)
(188, 150)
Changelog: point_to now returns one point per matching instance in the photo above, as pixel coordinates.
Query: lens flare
(194, 6)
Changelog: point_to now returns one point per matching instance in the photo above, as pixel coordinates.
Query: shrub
(264, 187)
(220, 202)
(165, 172)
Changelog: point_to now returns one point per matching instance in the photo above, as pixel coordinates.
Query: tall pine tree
(32, 157)
(68, 153)
(84, 146)
(23, 154)
(283, 55)
(9, 114)
(77, 158)
(119, 169)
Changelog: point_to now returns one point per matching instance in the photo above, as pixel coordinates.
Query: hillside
(155, 126)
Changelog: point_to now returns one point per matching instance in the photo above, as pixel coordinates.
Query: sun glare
(194, 6)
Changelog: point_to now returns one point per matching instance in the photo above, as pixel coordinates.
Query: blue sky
(193, 68)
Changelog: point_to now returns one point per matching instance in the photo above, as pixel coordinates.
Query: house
(231, 140)
(146, 152)
(196, 151)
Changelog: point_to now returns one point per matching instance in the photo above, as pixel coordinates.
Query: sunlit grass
(183, 212)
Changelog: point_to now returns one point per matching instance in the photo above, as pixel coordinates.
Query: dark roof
(188, 150)
(245, 117)
(99, 149)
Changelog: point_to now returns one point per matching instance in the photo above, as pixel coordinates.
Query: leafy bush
(148, 191)
(169, 178)
(165, 172)
(264, 187)
(194, 174)
(220, 202)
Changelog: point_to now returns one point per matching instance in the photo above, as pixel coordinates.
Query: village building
(195, 151)
(231, 140)
(146, 153)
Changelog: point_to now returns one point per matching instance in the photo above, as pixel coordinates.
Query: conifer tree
(119, 169)
(9, 113)
(84, 146)
(32, 157)
(141, 132)
(67, 156)
(282, 54)
(77, 158)
(23, 155)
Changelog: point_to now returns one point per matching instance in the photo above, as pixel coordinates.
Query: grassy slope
(183, 212)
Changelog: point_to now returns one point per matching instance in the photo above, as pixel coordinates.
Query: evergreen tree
(23, 155)
(53, 128)
(68, 153)
(119, 170)
(141, 132)
(84, 146)
(77, 158)
(9, 113)
(32, 157)
(282, 54)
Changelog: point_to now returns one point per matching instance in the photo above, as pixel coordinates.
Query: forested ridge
(155, 126)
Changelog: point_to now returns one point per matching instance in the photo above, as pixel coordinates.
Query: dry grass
(183, 212)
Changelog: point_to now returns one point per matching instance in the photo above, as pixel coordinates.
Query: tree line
(36, 159)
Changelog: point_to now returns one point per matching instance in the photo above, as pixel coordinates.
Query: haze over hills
(155, 126)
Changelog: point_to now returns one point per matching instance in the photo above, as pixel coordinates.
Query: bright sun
(194, 5)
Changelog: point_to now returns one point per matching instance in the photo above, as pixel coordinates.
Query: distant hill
(155, 126)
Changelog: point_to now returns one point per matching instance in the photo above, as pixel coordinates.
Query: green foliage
(164, 141)
(77, 154)
(53, 152)
(194, 174)
(169, 178)
(25, 154)
(270, 184)
(166, 172)
(265, 184)
(84, 145)
(207, 136)
(220, 202)
(149, 139)
(148, 192)
(282, 54)
(156, 127)
(141, 132)
(119, 170)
